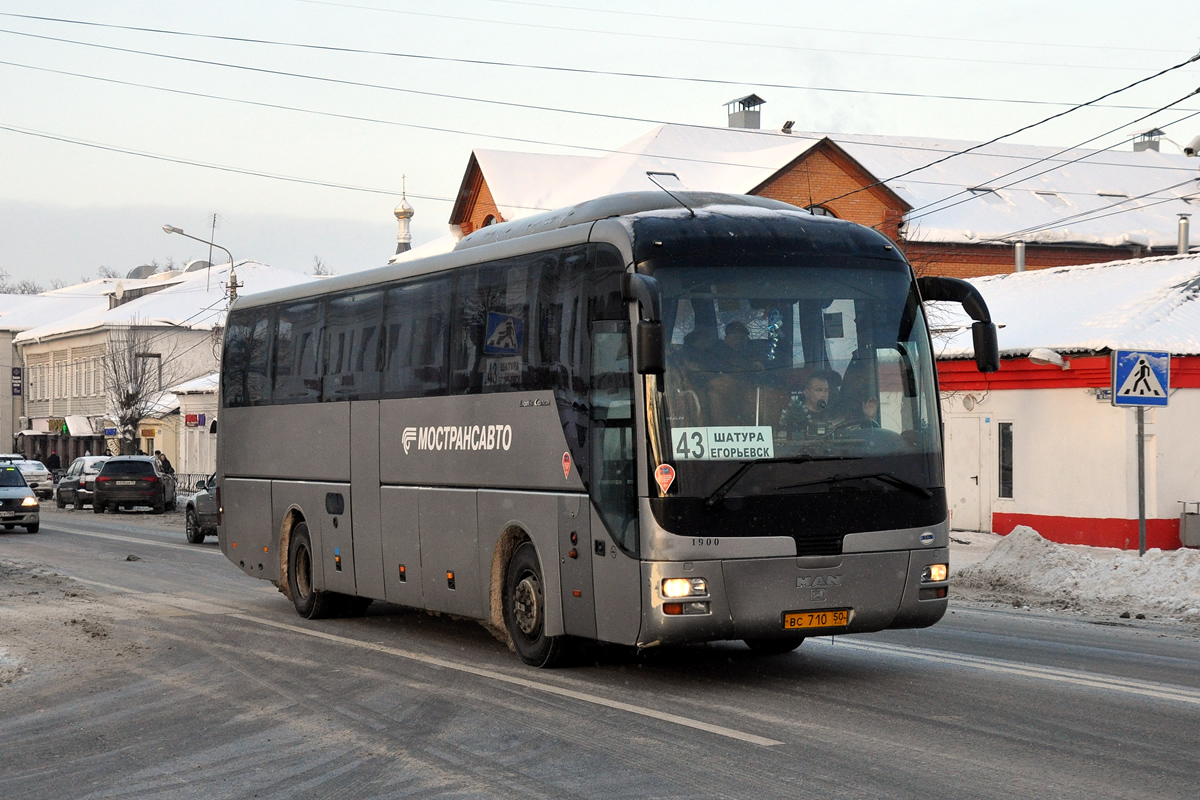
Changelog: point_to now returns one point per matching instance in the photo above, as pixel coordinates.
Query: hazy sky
(66, 208)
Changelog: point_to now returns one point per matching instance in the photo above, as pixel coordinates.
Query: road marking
(662, 716)
(133, 540)
(1124, 685)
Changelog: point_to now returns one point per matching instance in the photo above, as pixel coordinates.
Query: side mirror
(650, 360)
(649, 351)
(983, 332)
(987, 348)
(201, 485)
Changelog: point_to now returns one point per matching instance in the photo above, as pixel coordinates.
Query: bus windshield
(828, 370)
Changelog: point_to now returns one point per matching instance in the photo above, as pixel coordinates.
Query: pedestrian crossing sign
(1140, 378)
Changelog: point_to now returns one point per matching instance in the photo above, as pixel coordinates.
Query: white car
(18, 504)
(38, 477)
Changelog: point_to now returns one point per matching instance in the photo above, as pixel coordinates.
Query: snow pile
(1026, 568)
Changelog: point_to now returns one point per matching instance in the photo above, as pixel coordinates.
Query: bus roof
(648, 219)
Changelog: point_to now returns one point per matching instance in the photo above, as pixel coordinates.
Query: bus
(644, 420)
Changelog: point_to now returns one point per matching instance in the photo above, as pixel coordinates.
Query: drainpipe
(1019, 256)
(1183, 234)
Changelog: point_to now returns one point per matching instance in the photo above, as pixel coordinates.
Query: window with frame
(352, 346)
(1005, 482)
(298, 362)
(414, 338)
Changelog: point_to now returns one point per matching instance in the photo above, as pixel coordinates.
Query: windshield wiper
(882, 477)
(719, 493)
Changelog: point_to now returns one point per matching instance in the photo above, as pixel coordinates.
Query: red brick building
(962, 217)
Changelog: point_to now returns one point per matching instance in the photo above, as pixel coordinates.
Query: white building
(1041, 445)
(197, 425)
(180, 317)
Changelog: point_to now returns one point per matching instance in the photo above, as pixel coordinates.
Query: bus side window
(298, 365)
(414, 337)
(352, 324)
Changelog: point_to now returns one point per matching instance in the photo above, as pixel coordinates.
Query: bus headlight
(935, 573)
(684, 587)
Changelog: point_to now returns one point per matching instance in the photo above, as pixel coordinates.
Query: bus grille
(829, 544)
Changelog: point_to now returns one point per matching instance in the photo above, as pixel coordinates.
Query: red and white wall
(1074, 475)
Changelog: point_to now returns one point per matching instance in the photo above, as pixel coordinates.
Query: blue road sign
(1140, 378)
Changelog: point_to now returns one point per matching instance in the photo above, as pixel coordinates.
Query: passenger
(737, 344)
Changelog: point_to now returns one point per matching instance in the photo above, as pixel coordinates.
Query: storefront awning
(79, 425)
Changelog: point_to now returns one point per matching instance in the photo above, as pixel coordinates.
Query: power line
(910, 216)
(776, 26)
(205, 165)
(1022, 129)
(759, 45)
(487, 63)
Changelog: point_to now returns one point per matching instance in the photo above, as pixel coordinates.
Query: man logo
(408, 437)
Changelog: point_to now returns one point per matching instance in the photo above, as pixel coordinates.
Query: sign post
(1141, 378)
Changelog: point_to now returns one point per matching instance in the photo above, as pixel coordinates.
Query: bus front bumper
(751, 598)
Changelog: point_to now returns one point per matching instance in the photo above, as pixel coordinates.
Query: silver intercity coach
(647, 419)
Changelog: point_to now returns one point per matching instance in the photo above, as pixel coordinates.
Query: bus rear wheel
(774, 647)
(525, 611)
(309, 603)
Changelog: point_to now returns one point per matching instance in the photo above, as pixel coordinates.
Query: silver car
(18, 503)
(38, 477)
(200, 511)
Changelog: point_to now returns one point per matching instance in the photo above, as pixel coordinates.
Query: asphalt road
(173, 675)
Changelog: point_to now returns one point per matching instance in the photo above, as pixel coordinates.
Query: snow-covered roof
(1087, 186)
(197, 301)
(705, 159)
(1139, 304)
(205, 384)
(20, 312)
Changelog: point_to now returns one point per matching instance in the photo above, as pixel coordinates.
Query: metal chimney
(743, 111)
(1183, 234)
(1019, 256)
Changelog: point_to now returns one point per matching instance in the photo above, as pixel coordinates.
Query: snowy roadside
(1024, 570)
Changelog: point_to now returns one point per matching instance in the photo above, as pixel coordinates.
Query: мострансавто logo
(458, 437)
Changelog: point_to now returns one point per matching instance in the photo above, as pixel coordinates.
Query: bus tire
(525, 610)
(309, 603)
(774, 647)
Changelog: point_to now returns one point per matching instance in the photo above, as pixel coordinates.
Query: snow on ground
(1026, 570)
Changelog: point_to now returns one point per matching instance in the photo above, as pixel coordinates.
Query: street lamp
(233, 281)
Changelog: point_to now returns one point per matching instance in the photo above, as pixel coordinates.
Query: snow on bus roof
(1139, 304)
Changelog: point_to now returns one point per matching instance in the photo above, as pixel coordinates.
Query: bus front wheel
(309, 603)
(525, 610)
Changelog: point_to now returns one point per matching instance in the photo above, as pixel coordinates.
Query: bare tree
(138, 367)
(320, 268)
(108, 272)
(23, 286)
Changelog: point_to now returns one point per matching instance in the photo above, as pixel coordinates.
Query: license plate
(125, 483)
(825, 618)
(7, 514)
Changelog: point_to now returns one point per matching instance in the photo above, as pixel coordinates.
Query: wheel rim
(527, 610)
(191, 525)
(303, 572)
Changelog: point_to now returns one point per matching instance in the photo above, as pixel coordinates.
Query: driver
(812, 416)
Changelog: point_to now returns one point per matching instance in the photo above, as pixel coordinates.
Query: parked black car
(128, 481)
(200, 511)
(78, 482)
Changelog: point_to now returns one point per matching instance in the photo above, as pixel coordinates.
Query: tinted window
(353, 356)
(414, 339)
(298, 372)
(246, 359)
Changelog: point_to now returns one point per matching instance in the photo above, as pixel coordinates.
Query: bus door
(615, 568)
(575, 558)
